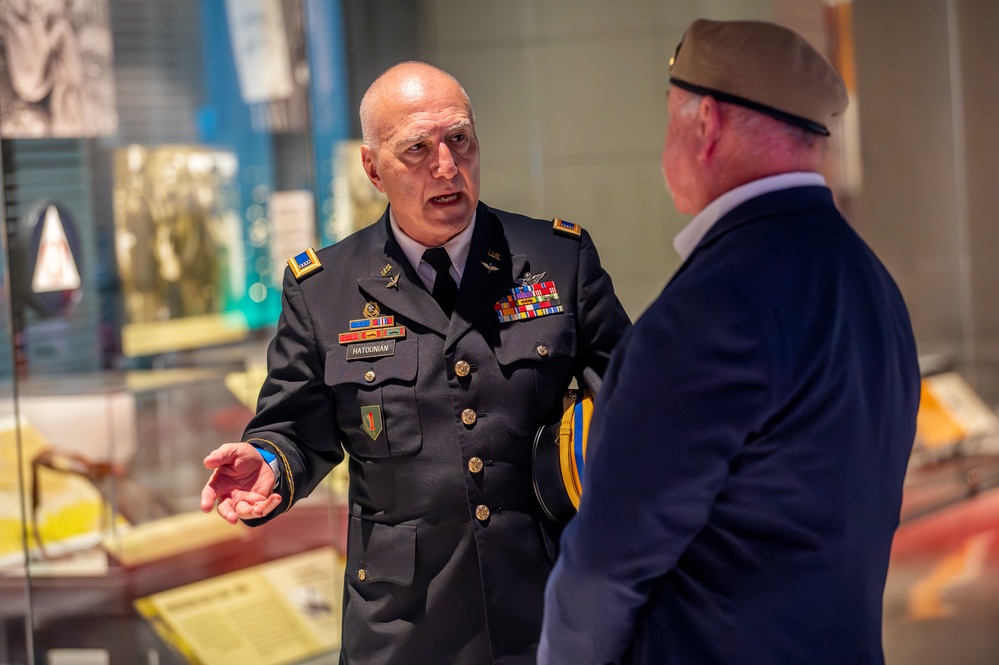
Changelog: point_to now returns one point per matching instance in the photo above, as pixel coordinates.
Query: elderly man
(747, 452)
(430, 347)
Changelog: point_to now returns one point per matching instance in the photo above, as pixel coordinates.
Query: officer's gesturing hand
(242, 483)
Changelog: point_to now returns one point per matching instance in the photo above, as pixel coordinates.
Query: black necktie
(445, 289)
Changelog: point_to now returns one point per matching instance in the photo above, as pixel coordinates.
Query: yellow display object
(935, 427)
(275, 613)
(950, 412)
(169, 536)
(245, 386)
(65, 510)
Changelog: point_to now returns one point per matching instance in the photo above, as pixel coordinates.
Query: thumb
(222, 455)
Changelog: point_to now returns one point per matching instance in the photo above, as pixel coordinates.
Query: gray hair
(758, 125)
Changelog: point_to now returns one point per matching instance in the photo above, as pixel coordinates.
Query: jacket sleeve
(295, 415)
(674, 408)
(602, 319)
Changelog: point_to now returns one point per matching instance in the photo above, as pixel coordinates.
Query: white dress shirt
(457, 249)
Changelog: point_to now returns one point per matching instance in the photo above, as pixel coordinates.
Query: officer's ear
(370, 164)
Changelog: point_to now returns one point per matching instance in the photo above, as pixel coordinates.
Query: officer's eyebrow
(462, 124)
(412, 139)
(416, 138)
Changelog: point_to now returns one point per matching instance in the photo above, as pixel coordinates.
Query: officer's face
(427, 158)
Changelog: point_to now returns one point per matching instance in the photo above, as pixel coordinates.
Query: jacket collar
(489, 273)
(686, 241)
(793, 201)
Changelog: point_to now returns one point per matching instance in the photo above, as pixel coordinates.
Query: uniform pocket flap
(400, 366)
(381, 552)
(537, 340)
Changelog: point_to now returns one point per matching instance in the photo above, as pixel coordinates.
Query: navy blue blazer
(744, 472)
(448, 549)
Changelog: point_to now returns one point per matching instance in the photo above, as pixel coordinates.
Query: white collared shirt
(686, 240)
(457, 249)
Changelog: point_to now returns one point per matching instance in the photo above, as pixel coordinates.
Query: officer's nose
(446, 168)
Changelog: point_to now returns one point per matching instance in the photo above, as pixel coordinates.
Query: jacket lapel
(399, 290)
(489, 274)
(490, 271)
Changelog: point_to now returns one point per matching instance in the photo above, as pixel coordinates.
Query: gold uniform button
(475, 464)
(369, 376)
(482, 512)
(542, 350)
(468, 417)
(462, 368)
(361, 574)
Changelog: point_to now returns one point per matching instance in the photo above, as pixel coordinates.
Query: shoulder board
(570, 229)
(304, 264)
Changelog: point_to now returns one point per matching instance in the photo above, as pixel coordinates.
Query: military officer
(430, 347)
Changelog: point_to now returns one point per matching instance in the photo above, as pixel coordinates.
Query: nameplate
(371, 349)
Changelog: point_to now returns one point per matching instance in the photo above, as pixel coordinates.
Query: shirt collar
(686, 241)
(457, 249)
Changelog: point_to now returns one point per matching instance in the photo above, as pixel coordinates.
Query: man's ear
(371, 167)
(709, 124)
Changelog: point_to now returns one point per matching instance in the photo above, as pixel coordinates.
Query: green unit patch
(371, 421)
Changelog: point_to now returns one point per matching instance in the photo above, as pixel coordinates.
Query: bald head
(406, 84)
(421, 150)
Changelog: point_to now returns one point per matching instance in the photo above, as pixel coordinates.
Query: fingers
(208, 497)
(269, 504)
(255, 509)
(234, 510)
(226, 511)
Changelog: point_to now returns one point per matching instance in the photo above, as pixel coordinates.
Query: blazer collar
(792, 201)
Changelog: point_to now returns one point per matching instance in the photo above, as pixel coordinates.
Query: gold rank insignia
(570, 229)
(304, 264)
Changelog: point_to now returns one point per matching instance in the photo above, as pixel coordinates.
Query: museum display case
(161, 161)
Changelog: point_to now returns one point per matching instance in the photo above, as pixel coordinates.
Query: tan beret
(762, 66)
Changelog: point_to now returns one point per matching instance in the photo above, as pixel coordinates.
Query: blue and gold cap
(560, 453)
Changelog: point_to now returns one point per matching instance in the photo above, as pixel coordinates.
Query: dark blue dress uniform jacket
(442, 581)
(744, 475)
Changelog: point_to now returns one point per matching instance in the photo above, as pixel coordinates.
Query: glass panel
(161, 163)
(15, 599)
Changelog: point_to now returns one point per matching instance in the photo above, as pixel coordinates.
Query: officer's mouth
(446, 199)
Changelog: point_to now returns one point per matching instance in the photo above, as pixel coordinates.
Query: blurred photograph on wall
(268, 46)
(178, 243)
(56, 69)
(357, 202)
